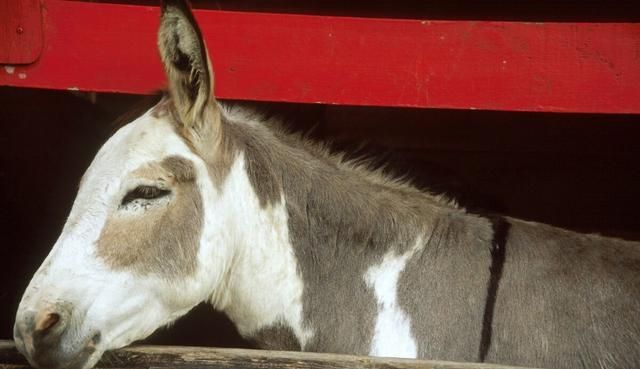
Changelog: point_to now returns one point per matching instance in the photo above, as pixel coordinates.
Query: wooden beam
(201, 357)
(20, 31)
(557, 67)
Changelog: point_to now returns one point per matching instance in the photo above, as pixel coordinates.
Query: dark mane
(242, 122)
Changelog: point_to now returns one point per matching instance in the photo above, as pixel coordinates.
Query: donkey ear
(186, 64)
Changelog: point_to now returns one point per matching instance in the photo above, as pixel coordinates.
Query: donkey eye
(144, 193)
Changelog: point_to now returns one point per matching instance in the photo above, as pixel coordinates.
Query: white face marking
(265, 288)
(120, 305)
(392, 333)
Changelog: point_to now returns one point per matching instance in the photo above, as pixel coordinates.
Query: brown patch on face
(181, 169)
(163, 239)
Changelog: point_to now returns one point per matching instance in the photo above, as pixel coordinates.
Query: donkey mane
(363, 165)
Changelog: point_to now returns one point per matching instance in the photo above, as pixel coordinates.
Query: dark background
(576, 171)
(508, 10)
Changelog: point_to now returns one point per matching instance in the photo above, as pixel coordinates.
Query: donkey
(198, 201)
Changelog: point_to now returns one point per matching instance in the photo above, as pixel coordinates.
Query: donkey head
(140, 247)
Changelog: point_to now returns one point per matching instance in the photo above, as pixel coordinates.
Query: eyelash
(144, 193)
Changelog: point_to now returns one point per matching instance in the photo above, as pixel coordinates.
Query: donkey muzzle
(44, 337)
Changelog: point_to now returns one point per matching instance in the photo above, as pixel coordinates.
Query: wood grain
(164, 357)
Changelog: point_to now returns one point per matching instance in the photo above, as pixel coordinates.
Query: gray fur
(443, 287)
(565, 300)
(337, 218)
(568, 300)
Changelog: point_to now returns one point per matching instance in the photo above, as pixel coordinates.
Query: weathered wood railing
(165, 357)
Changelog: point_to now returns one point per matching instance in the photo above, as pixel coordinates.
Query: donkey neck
(262, 288)
(308, 217)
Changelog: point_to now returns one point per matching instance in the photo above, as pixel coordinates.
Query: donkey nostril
(47, 321)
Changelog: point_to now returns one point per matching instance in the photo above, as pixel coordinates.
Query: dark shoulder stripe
(498, 252)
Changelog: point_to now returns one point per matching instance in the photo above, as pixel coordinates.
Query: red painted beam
(560, 67)
(20, 31)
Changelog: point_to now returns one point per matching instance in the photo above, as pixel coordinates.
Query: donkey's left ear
(185, 60)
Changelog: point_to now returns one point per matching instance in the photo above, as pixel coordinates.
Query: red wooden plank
(562, 67)
(20, 31)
